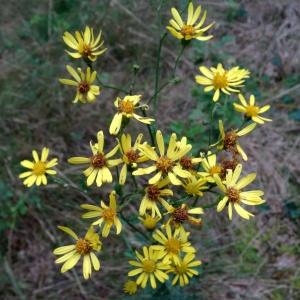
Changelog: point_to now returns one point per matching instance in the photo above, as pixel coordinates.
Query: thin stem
(134, 181)
(149, 129)
(178, 59)
(211, 124)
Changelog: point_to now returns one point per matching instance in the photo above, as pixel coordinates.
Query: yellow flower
(166, 164)
(149, 267)
(182, 214)
(39, 168)
(210, 166)
(154, 194)
(251, 110)
(229, 140)
(107, 215)
(86, 91)
(99, 163)
(130, 287)
(131, 156)
(85, 44)
(189, 30)
(149, 222)
(219, 79)
(234, 197)
(172, 244)
(184, 269)
(84, 247)
(126, 109)
(194, 186)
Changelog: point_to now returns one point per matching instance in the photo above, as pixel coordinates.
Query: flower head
(210, 166)
(39, 168)
(131, 155)
(190, 29)
(127, 109)
(194, 185)
(166, 163)
(149, 222)
(99, 163)
(251, 110)
(130, 287)
(83, 247)
(221, 80)
(86, 91)
(154, 194)
(234, 196)
(107, 215)
(172, 244)
(182, 214)
(149, 267)
(184, 269)
(229, 140)
(85, 44)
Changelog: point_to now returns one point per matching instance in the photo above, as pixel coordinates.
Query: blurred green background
(258, 259)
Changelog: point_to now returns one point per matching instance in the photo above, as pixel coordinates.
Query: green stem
(149, 128)
(178, 58)
(211, 124)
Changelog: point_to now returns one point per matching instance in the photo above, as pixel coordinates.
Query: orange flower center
(126, 106)
(180, 215)
(252, 111)
(83, 87)
(153, 192)
(149, 265)
(98, 161)
(220, 80)
(109, 214)
(87, 51)
(187, 30)
(132, 155)
(172, 245)
(164, 164)
(215, 170)
(83, 246)
(233, 195)
(186, 163)
(230, 139)
(181, 269)
(39, 168)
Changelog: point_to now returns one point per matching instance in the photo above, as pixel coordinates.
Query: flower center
(149, 265)
(83, 87)
(39, 168)
(98, 161)
(181, 269)
(187, 30)
(109, 214)
(86, 50)
(227, 165)
(172, 245)
(153, 192)
(186, 163)
(233, 194)
(83, 246)
(252, 111)
(230, 139)
(220, 80)
(126, 106)
(132, 156)
(164, 164)
(215, 170)
(180, 215)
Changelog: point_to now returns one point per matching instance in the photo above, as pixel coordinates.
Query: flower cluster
(166, 174)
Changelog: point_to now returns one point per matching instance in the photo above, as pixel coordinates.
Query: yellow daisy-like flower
(184, 269)
(131, 155)
(194, 186)
(251, 110)
(86, 90)
(85, 44)
(221, 80)
(190, 29)
(183, 214)
(149, 222)
(126, 109)
(172, 244)
(99, 163)
(107, 214)
(210, 166)
(84, 247)
(166, 163)
(39, 168)
(234, 197)
(149, 267)
(229, 140)
(154, 194)
(130, 287)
